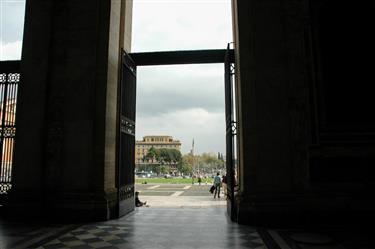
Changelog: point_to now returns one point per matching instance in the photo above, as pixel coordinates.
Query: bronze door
(231, 130)
(126, 136)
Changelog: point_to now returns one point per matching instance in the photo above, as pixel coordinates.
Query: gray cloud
(186, 101)
(174, 25)
(12, 14)
(206, 128)
(154, 105)
(166, 89)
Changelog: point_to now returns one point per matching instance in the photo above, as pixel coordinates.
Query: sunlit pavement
(178, 195)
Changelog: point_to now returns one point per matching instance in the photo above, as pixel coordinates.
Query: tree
(152, 154)
(164, 169)
(164, 158)
(210, 162)
(175, 156)
(186, 164)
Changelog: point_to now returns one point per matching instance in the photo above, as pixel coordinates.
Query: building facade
(158, 142)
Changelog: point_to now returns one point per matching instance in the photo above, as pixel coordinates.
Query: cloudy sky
(11, 28)
(184, 101)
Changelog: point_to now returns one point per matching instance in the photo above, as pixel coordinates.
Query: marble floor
(188, 219)
(154, 228)
(21, 235)
(177, 228)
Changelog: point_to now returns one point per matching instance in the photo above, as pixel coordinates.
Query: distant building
(158, 142)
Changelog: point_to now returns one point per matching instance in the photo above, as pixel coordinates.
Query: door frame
(210, 56)
(182, 57)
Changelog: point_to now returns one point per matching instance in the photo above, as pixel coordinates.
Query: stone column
(272, 90)
(66, 118)
(119, 39)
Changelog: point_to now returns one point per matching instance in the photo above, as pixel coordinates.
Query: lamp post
(198, 165)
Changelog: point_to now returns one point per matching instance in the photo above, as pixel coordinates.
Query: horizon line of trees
(165, 160)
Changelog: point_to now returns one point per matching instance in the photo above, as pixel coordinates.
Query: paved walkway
(178, 195)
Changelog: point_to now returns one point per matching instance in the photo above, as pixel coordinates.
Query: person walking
(217, 184)
(199, 179)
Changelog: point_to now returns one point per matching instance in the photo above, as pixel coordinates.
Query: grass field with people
(170, 181)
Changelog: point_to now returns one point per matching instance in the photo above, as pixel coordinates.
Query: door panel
(126, 143)
(230, 133)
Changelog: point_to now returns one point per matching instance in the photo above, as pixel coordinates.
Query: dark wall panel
(344, 45)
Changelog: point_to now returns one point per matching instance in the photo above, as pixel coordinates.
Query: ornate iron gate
(231, 132)
(126, 137)
(9, 79)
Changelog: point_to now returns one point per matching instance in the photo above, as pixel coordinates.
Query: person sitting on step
(138, 203)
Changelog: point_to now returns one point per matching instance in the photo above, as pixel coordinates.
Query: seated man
(138, 203)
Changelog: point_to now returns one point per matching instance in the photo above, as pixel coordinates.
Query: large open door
(126, 133)
(126, 136)
(231, 130)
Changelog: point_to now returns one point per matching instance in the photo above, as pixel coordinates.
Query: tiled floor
(154, 228)
(188, 218)
(339, 238)
(177, 228)
(20, 235)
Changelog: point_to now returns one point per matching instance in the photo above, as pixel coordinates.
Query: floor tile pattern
(183, 228)
(91, 236)
(337, 239)
(17, 235)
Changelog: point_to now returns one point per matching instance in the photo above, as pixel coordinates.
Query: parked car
(143, 174)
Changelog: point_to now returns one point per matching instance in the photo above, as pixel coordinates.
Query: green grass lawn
(169, 180)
